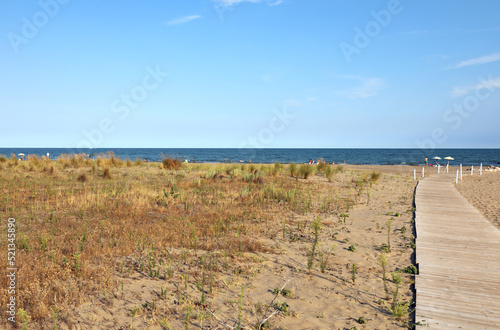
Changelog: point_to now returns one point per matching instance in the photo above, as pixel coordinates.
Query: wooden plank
(458, 252)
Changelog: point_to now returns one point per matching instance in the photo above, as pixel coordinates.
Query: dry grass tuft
(82, 178)
(106, 174)
(171, 163)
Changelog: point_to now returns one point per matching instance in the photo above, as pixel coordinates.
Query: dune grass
(77, 217)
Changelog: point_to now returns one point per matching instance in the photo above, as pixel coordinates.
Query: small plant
(352, 248)
(383, 263)
(316, 226)
(323, 258)
(23, 243)
(362, 320)
(384, 248)
(354, 273)
(24, 317)
(389, 227)
(239, 326)
(286, 293)
(403, 229)
(55, 315)
(411, 270)
(344, 216)
(283, 307)
(165, 324)
(186, 320)
(398, 309)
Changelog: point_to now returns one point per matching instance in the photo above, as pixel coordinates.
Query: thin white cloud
(419, 33)
(278, 2)
(368, 87)
(477, 61)
(230, 3)
(489, 84)
(182, 20)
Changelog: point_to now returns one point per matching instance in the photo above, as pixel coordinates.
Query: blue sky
(250, 73)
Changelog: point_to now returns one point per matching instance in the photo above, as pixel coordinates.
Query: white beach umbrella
(448, 159)
(436, 158)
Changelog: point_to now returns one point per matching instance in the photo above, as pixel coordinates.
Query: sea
(410, 157)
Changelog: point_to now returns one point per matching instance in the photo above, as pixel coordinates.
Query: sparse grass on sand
(114, 243)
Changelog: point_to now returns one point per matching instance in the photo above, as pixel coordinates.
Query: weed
(24, 317)
(284, 292)
(354, 273)
(187, 316)
(292, 169)
(239, 325)
(323, 258)
(165, 324)
(397, 308)
(361, 320)
(316, 227)
(411, 270)
(383, 263)
(389, 227)
(55, 316)
(134, 311)
(352, 248)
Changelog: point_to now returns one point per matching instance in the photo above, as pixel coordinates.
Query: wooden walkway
(458, 254)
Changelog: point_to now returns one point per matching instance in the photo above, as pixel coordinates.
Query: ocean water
(350, 156)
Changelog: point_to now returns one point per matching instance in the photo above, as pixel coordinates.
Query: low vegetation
(84, 224)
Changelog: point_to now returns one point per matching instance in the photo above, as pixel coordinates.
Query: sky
(250, 73)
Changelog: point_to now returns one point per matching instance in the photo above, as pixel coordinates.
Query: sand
(317, 300)
(483, 192)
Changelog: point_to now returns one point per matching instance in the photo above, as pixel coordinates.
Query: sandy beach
(483, 192)
(211, 246)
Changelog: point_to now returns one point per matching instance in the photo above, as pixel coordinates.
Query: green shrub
(411, 270)
(305, 170)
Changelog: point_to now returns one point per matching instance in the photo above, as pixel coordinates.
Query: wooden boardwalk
(458, 254)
